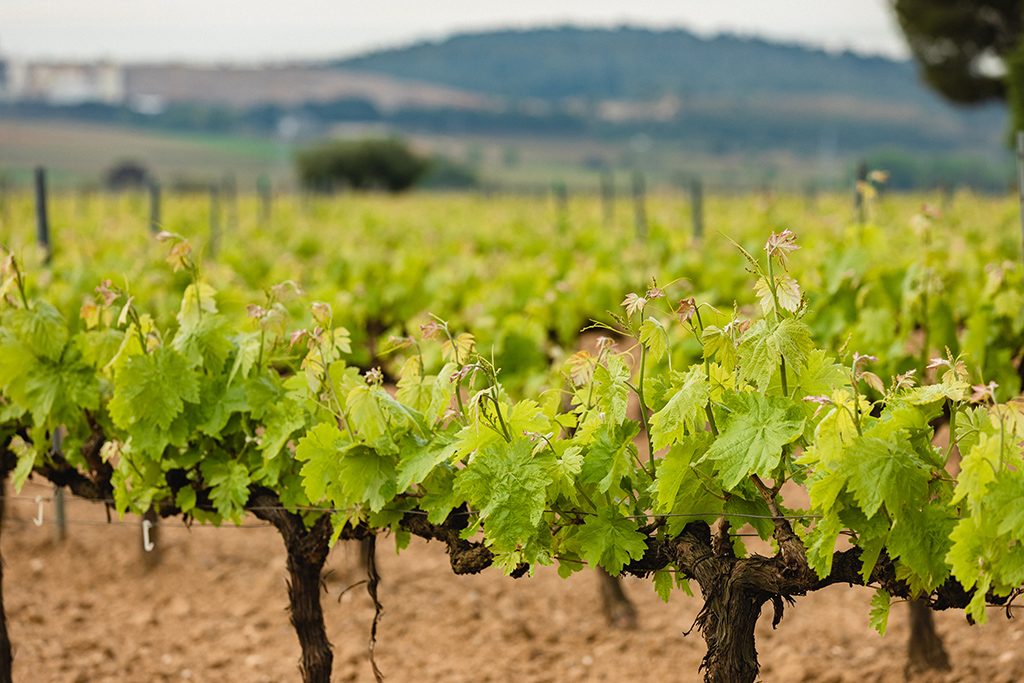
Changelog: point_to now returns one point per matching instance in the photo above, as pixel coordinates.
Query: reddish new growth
(781, 245)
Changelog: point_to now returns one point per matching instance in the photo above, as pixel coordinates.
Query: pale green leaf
(753, 435)
(885, 472)
(152, 389)
(718, 344)
(879, 615)
(765, 345)
(610, 540)
(654, 336)
(684, 412)
(674, 469)
(610, 456)
(508, 486)
(419, 457)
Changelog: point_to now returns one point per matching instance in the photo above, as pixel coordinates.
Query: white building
(65, 83)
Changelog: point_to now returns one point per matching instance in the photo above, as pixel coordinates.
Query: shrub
(386, 164)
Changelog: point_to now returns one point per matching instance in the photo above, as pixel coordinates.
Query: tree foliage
(952, 41)
(386, 164)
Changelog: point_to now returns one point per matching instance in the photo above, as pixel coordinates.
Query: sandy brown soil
(88, 611)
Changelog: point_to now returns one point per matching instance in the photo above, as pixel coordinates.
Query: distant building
(65, 83)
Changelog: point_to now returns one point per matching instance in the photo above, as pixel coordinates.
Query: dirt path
(214, 610)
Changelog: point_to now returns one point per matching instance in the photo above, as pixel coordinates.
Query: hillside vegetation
(726, 92)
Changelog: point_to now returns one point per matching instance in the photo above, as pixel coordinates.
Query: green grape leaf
(786, 289)
(766, 343)
(509, 486)
(320, 451)
(15, 358)
(654, 336)
(194, 302)
(610, 540)
(185, 499)
(366, 477)
(752, 436)
(204, 343)
(365, 416)
(246, 355)
(976, 607)
(684, 411)
(674, 469)
(718, 344)
(98, 347)
(56, 392)
(885, 472)
(609, 457)
(217, 403)
(411, 417)
(229, 481)
(524, 416)
(343, 472)
(441, 497)
(821, 542)
(459, 349)
(280, 421)
(879, 615)
(824, 487)
(41, 328)
(611, 389)
(920, 539)
(698, 498)
(1007, 496)
(978, 469)
(819, 375)
(441, 392)
(152, 389)
(419, 456)
(663, 583)
(871, 549)
(26, 453)
(953, 390)
(415, 390)
(565, 469)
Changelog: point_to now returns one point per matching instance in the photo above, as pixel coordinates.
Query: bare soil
(214, 609)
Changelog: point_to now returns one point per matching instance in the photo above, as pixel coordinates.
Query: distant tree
(385, 164)
(955, 41)
(952, 39)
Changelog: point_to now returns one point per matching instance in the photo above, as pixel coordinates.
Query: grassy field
(79, 153)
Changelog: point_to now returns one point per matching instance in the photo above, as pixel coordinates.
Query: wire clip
(38, 519)
(147, 544)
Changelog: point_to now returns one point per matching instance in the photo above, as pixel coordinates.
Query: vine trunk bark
(618, 609)
(6, 658)
(727, 623)
(925, 651)
(307, 551)
(308, 618)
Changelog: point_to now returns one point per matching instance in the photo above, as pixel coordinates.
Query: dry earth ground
(214, 609)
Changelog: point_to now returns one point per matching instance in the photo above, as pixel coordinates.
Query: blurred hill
(724, 93)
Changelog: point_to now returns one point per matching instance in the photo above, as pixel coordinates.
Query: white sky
(260, 30)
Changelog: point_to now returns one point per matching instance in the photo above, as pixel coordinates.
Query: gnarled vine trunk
(735, 590)
(307, 551)
(727, 623)
(6, 658)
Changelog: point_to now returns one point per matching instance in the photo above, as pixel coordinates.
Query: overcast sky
(260, 30)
